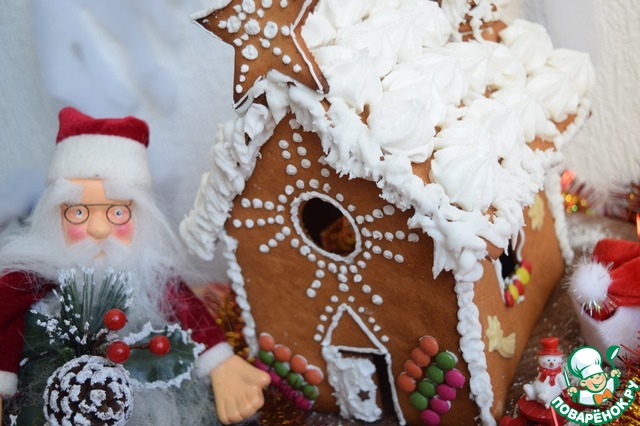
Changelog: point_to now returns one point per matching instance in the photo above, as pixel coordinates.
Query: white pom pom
(589, 284)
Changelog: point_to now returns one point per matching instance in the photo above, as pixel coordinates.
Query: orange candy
(266, 342)
(412, 369)
(406, 383)
(298, 364)
(282, 353)
(313, 375)
(429, 345)
(420, 358)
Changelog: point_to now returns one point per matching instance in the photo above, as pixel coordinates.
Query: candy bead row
(516, 282)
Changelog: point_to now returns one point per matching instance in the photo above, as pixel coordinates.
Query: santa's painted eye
(76, 214)
(118, 215)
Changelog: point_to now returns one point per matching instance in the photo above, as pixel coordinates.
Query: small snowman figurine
(550, 382)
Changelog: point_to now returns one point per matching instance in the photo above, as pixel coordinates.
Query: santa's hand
(237, 387)
(572, 391)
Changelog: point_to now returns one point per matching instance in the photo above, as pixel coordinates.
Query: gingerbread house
(388, 200)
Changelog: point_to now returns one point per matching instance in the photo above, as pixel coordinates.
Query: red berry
(114, 319)
(159, 345)
(118, 352)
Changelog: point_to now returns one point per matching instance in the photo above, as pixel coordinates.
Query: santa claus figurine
(98, 211)
(606, 295)
(550, 382)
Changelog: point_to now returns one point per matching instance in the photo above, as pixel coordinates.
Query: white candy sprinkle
(311, 293)
(295, 243)
(376, 299)
(357, 278)
(387, 254)
(237, 223)
(244, 68)
(264, 248)
(245, 202)
(249, 223)
(250, 52)
(398, 258)
(286, 231)
(400, 235)
(334, 299)
(376, 328)
(272, 243)
(239, 88)
(312, 257)
(366, 255)
(366, 289)
(237, 42)
(271, 221)
(305, 250)
(261, 222)
(326, 187)
(317, 337)
(361, 309)
(332, 268)
(323, 317)
(361, 264)
(297, 68)
(313, 183)
(252, 27)
(266, 3)
(291, 170)
(300, 183)
(269, 205)
(321, 264)
(265, 43)
(286, 155)
(351, 299)
(297, 137)
(283, 144)
(288, 189)
(377, 213)
(277, 51)
(286, 31)
(257, 203)
(353, 269)
(384, 339)
(377, 235)
(368, 218)
(413, 238)
(376, 250)
(305, 164)
(389, 210)
(282, 198)
(316, 284)
(286, 59)
(343, 288)
(302, 151)
(279, 236)
(319, 274)
(371, 320)
(280, 219)
(325, 172)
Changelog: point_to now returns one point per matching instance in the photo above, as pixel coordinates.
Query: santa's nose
(98, 227)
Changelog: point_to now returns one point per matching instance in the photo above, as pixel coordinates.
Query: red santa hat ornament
(549, 347)
(101, 148)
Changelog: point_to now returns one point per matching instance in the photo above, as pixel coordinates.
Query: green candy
(282, 368)
(435, 374)
(266, 356)
(427, 388)
(446, 360)
(310, 391)
(419, 401)
(295, 380)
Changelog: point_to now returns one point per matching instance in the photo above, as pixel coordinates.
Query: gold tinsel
(631, 417)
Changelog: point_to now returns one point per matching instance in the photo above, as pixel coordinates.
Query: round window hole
(325, 224)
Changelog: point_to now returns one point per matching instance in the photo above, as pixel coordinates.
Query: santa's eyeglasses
(117, 214)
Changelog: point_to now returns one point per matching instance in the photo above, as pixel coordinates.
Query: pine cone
(88, 390)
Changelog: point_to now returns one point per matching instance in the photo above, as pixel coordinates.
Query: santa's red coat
(20, 290)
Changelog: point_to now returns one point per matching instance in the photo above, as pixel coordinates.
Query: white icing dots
(332, 268)
(353, 269)
(237, 223)
(377, 235)
(288, 189)
(351, 208)
(361, 309)
(400, 235)
(376, 299)
(249, 6)
(286, 155)
(250, 52)
(376, 250)
(321, 264)
(272, 243)
(257, 203)
(340, 197)
(371, 320)
(317, 337)
(269, 205)
(343, 287)
(323, 318)
(377, 213)
(244, 68)
(313, 183)
(260, 13)
(266, 3)
(413, 237)
(242, 79)
(359, 220)
(387, 254)
(284, 3)
(252, 27)
(305, 250)
(376, 328)
(319, 274)
(316, 284)
(239, 88)
(326, 187)
(311, 293)
(283, 144)
(237, 42)
(384, 339)
(325, 172)
(357, 278)
(277, 51)
(286, 31)
(280, 219)
(295, 243)
(361, 264)
(291, 170)
(389, 210)
(312, 257)
(286, 59)
(249, 223)
(351, 299)
(366, 289)
(271, 221)
(263, 248)
(279, 236)
(300, 184)
(245, 202)
(297, 137)
(286, 230)
(388, 236)
(302, 151)
(334, 299)
(398, 258)
(297, 68)
(366, 255)
(282, 198)
(270, 30)
(261, 222)
(233, 24)
(305, 163)
(328, 309)
(368, 218)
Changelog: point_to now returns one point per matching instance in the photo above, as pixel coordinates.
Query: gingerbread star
(266, 35)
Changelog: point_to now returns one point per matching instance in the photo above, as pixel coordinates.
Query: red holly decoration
(159, 345)
(118, 352)
(114, 319)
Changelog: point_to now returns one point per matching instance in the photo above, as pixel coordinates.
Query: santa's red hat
(610, 280)
(101, 148)
(549, 346)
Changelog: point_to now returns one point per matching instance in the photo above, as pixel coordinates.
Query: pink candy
(439, 406)
(446, 392)
(430, 418)
(261, 365)
(454, 378)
